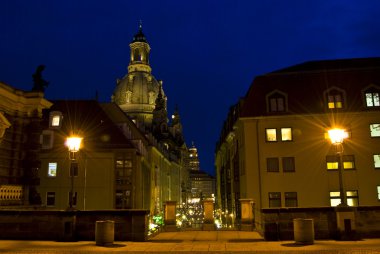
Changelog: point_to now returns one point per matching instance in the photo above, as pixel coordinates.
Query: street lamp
(73, 143)
(337, 137)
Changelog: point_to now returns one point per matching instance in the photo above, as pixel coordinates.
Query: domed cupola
(137, 91)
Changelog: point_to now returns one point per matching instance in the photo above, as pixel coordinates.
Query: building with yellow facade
(131, 157)
(274, 148)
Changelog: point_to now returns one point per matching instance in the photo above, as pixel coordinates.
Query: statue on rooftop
(39, 82)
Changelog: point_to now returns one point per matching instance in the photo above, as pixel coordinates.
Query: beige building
(132, 156)
(274, 149)
(20, 116)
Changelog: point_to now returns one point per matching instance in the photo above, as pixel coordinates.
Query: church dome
(139, 37)
(137, 91)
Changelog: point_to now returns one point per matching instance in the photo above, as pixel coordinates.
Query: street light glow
(337, 135)
(73, 143)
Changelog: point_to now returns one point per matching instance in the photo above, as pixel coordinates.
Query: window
(286, 134)
(375, 129)
(273, 165)
(75, 198)
(376, 160)
(74, 169)
(378, 192)
(332, 162)
(351, 195)
(352, 198)
(291, 199)
(348, 162)
(334, 198)
(55, 119)
(276, 101)
(372, 99)
(50, 199)
(276, 104)
(271, 135)
(288, 164)
(335, 101)
(46, 139)
(274, 199)
(52, 169)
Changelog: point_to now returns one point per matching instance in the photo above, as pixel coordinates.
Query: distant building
(20, 117)
(202, 185)
(273, 147)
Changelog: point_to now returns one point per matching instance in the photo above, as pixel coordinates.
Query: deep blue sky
(206, 52)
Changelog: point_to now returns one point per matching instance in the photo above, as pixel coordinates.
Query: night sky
(206, 52)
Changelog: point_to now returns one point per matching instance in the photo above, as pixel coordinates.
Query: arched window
(277, 101)
(128, 97)
(136, 55)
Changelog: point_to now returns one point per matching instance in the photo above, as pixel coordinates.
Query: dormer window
(372, 96)
(276, 101)
(335, 98)
(55, 119)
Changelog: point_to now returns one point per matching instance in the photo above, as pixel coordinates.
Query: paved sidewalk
(197, 242)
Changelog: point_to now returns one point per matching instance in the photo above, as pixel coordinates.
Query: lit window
(274, 199)
(376, 160)
(286, 134)
(352, 198)
(271, 135)
(334, 198)
(372, 99)
(288, 164)
(375, 130)
(378, 192)
(335, 101)
(348, 162)
(332, 162)
(273, 165)
(119, 163)
(55, 121)
(52, 169)
(128, 163)
(50, 199)
(291, 199)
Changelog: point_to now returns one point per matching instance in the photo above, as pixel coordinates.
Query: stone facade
(20, 118)
(130, 225)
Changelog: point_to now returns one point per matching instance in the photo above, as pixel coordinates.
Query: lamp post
(73, 144)
(337, 137)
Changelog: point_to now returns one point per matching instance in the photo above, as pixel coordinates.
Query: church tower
(137, 91)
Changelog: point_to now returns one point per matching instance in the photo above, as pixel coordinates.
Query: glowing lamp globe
(337, 135)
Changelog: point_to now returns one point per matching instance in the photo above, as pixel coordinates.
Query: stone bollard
(303, 231)
(104, 233)
(170, 216)
(247, 217)
(208, 215)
